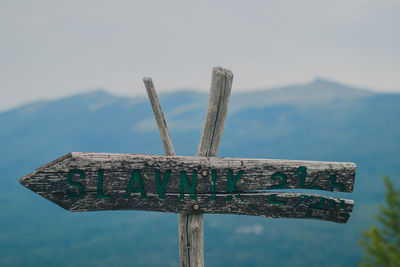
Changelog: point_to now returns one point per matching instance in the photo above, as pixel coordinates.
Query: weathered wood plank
(275, 205)
(99, 181)
(189, 174)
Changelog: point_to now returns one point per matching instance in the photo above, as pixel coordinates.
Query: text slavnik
(188, 181)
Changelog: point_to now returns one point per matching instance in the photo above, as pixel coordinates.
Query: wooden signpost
(192, 186)
(98, 181)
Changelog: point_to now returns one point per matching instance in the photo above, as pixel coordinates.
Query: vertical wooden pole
(220, 91)
(191, 225)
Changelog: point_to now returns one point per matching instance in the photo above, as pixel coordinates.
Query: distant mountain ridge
(321, 120)
(317, 92)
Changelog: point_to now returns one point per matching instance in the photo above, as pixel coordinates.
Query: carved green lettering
(303, 198)
(283, 179)
(79, 186)
(136, 177)
(341, 206)
(312, 186)
(231, 183)
(161, 185)
(100, 193)
(191, 187)
(273, 201)
(302, 172)
(213, 181)
(332, 204)
(335, 185)
(319, 205)
(313, 207)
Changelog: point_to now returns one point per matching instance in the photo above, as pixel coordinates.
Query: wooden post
(159, 115)
(221, 84)
(191, 225)
(196, 225)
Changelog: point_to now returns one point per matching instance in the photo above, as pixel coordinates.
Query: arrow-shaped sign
(99, 181)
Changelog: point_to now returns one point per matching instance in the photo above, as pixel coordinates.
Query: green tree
(382, 243)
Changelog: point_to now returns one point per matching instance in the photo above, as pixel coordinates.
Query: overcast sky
(50, 49)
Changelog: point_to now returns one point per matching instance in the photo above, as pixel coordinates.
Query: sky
(51, 49)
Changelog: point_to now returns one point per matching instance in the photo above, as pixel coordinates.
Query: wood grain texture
(51, 182)
(220, 91)
(191, 238)
(214, 174)
(264, 204)
(159, 116)
(82, 181)
(191, 224)
(185, 219)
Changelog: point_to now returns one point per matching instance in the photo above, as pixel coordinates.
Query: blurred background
(313, 81)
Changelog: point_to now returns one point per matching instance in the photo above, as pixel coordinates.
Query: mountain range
(321, 120)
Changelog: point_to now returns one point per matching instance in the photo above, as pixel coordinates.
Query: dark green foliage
(382, 243)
